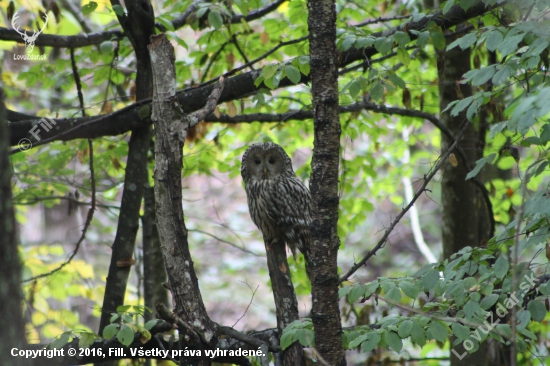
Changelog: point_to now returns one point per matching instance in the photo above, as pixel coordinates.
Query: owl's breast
(260, 197)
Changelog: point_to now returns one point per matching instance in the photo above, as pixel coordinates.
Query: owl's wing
(291, 210)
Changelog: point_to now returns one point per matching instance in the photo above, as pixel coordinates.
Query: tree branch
(54, 40)
(442, 160)
(192, 99)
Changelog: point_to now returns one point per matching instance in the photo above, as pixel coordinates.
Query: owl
(278, 201)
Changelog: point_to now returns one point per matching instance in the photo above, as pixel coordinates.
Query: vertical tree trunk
(171, 130)
(459, 197)
(322, 265)
(11, 315)
(139, 26)
(153, 265)
(286, 303)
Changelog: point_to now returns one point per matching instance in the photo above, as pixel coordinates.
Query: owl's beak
(265, 172)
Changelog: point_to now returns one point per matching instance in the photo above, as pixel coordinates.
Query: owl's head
(265, 160)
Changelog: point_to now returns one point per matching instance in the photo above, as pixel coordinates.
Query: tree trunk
(11, 315)
(139, 25)
(322, 261)
(286, 304)
(459, 197)
(154, 274)
(171, 130)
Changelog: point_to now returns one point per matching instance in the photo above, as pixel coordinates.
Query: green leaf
(215, 19)
(151, 323)
(86, 340)
(501, 267)
(429, 280)
(418, 335)
(493, 40)
(468, 40)
(524, 317)
(118, 9)
(89, 8)
(545, 133)
(357, 341)
(397, 80)
(305, 336)
(287, 339)
(394, 294)
(293, 74)
(483, 75)
(166, 23)
(377, 92)
(438, 331)
(125, 336)
(460, 331)
(384, 44)
(467, 4)
(537, 310)
(402, 38)
(545, 289)
(410, 289)
(460, 106)
(438, 40)
(448, 5)
(403, 56)
(371, 288)
(504, 329)
(471, 309)
(110, 331)
(356, 293)
(423, 39)
(489, 301)
(502, 75)
(61, 341)
(405, 328)
(355, 88)
(393, 340)
(510, 44)
(372, 341)
(480, 164)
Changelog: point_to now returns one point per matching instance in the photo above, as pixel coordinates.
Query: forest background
(440, 174)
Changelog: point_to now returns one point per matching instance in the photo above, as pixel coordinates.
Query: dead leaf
(217, 112)
(231, 109)
(406, 98)
(452, 160)
(264, 37)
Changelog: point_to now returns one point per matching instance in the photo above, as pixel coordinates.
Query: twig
(248, 64)
(442, 160)
(381, 20)
(86, 224)
(250, 303)
(226, 242)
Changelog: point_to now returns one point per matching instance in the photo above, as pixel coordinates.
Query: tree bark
(139, 25)
(459, 197)
(322, 264)
(11, 315)
(154, 274)
(171, 130)
(286, 304)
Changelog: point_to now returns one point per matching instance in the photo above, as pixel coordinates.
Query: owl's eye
(271, 160)
(257, 161)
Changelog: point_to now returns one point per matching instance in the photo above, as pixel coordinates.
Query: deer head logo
(29, 40)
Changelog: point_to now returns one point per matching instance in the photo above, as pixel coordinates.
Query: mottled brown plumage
(278, 201)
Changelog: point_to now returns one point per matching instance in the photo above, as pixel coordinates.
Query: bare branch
(54, 40)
